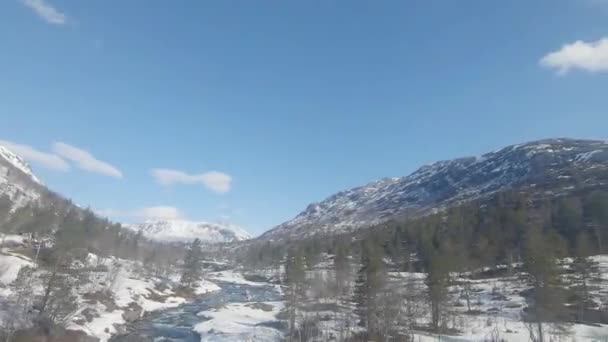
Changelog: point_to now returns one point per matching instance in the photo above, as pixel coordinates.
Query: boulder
(132, 312)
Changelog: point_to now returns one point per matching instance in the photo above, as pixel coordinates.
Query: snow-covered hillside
(18, 163)
(186, 231)
(17, 181)
(119, 292)
(555, 165)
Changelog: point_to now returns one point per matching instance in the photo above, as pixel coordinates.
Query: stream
(177, 324)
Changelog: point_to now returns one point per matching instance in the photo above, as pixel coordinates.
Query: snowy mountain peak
(186, 231)
(552, 164)
(18, 163)
(17, 182)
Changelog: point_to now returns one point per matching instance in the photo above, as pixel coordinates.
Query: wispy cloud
(598, 2)
(215, 181)
(46, 11)
(161, 212)
(31, 154)
(588, 56)
(85, 160)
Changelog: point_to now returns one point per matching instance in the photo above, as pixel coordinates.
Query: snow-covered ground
(496, 305)
(10, 264)
(231, 276)
(116, 293)
(129, 289)
(499, 304)
(240, 322)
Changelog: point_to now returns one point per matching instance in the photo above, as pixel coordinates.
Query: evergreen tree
(437, 282)
(543, 274)
(193, 266)
(568, 218)
(41, 222)
(584, 268)
(71, 234)
(295, 276)
(312, 251)
(5, 209)
(20, 219)
(342, 267)
(59, 301)
(18, 314)
(597, 208)
(370, 282)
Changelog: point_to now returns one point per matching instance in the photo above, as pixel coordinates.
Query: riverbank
(237, 312)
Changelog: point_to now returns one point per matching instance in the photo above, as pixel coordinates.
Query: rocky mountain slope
(552, 167)
(186, 231)
(17, 181)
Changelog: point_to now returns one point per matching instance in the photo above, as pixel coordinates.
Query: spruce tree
(437, 282)
(5, 209)
(543, 274)
(597, 209)
(342, 268)
(193, 266)
(370, 282)
(295, 279)
(584, 268)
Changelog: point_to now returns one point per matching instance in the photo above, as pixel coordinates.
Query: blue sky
(249, 110)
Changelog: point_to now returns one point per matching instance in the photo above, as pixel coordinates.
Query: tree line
(512, 232)
(60, 239)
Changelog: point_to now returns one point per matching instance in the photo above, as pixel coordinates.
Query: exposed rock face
(554, 166)
(56, 335)
(132, 313)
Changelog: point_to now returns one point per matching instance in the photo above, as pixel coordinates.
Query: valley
(508, 246)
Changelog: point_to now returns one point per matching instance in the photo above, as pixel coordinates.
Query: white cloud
(48, 160)
(46, 11)
(598, 2)
(108, 212)
(213, 180)
(591, 57)
(161, 212)
(85, 160)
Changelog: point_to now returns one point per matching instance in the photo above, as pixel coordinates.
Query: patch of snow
(240, 322)
(12, 239)
(231, 276)
(101, 327)
(10, 264)
(587, 155)
(133, 288)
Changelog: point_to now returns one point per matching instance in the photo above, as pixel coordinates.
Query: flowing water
(176, 324)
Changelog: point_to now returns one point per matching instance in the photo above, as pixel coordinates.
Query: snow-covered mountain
(17, 181)
(186, 231)
(547, 166)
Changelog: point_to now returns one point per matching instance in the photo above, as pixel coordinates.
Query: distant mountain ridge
(171, 231)
(550, 165)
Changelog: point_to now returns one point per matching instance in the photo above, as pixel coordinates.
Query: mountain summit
(17, 181)
(552, 166)
(185, 231)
